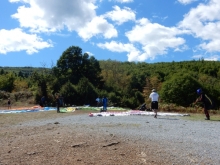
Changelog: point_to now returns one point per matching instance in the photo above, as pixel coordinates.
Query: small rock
(31, 153)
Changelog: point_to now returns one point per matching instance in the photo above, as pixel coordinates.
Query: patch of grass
(201, 117)
(15, 118)
(195, 117)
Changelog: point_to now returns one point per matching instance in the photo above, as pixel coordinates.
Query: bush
(180, 89)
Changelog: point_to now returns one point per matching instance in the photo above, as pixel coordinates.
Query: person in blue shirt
(105, 103)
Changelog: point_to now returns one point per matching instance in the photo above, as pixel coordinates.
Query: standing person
(105, 103)
(206, 101)
(97, 102)
(9, 103)
(42, 101)
(58, 103)
(61, 101)
(154, 96)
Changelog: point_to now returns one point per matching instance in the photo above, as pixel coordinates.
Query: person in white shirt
(154, 96)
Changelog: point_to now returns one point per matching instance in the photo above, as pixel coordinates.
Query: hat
(154, 90)
(199, 91)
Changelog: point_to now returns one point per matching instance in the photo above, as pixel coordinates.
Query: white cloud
(207, 58)
(14, 1)
(182, 48)
(123, 1)
(161, 18)
(135, 56)
(50, 15)
(212, 58)
(117, 46)
(154, 38)
(204, 23)
(97, 26)
(212, 46)
(121, 15)
(185, 2)
(16, 40)
(89, 53)
(55, 16)
(133, 53)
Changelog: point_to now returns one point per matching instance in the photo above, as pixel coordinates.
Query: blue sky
(35, 32)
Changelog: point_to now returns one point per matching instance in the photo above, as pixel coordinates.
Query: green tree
(7, 82)
(20, 74)
(73, 65)
(86, 92)
(69, 93)
(2, 72)
(42, 80)
(180, 89)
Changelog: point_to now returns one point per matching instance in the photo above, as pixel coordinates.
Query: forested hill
(129, 84)
(22, 71)
(176, 81)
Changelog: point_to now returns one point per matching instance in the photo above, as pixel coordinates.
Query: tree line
(79, 78)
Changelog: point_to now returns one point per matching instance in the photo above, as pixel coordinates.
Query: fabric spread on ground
(112, 111)
(62, 109)
(28, 109)
(134, 112)
(68, 109)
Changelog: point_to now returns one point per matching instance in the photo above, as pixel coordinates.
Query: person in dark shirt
(58, 104)
(206, 102)
(9, 103)
(42, 101)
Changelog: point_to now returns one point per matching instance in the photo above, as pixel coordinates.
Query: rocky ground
(51, 138)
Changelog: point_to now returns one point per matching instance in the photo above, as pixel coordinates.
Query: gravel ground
(182, 140)
(75, 138)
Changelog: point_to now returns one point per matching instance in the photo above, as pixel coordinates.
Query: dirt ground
(57, 144)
